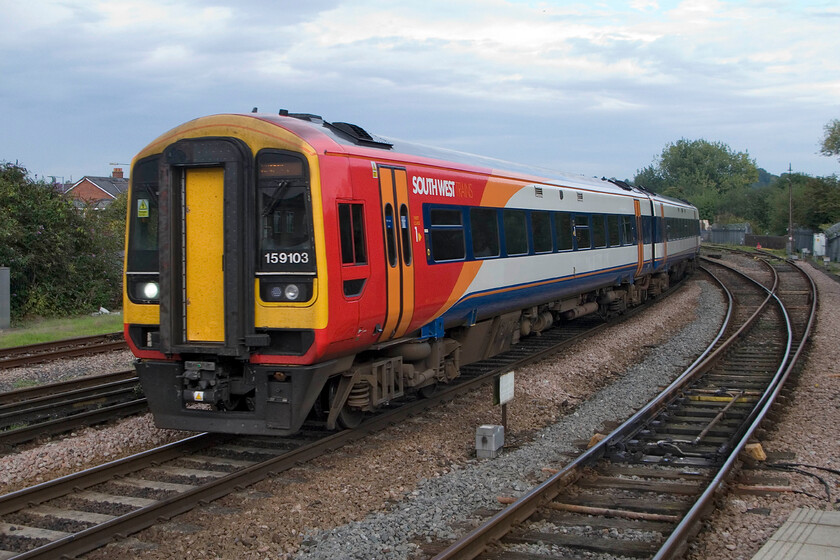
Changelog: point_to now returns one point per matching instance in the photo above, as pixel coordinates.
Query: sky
(594, 88)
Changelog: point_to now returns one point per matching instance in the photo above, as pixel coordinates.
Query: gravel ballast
(374, 498)
(805, 433)
(438, 503)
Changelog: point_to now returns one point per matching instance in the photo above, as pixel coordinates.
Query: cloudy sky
(598, 88)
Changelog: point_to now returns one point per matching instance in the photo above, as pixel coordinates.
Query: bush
(62, 260)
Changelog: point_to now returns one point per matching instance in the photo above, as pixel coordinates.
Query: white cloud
(680, 66)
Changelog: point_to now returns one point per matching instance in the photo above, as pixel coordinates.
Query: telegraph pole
(790, 212)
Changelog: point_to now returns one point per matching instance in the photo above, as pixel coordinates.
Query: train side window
(563, 227)
(581, 227)
(627, 230)
(484, 227)
(390, 236)
(351, 230)
(446, 234)
(541, 230)
(405, 235)
(599, 234)
(613, 231)
(647, 229)
(516, 235)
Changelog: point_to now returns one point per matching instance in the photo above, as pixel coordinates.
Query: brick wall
(88, 192)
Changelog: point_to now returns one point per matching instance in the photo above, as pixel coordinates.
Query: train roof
(355, 139)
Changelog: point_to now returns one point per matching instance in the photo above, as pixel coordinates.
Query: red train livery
(281, 267)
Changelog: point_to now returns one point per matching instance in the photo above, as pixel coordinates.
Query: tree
(831, 141)
(61, 261)
(701, 172)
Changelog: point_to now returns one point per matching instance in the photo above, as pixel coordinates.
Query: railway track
(68, 348)
(27, 414)
(642, 490)
(80, 512)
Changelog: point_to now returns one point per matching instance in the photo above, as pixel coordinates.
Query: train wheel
(347, 417)
(428, 391)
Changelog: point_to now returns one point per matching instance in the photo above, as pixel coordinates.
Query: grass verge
(34, 331)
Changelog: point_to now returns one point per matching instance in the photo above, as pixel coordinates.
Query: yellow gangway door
(204, 306)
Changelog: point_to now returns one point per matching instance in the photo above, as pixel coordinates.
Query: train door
(664, 232)
(399, 260)
(203, 253)
(640, 238)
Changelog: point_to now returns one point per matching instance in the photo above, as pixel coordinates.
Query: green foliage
(61, 260)
(701, 172)
(831, 142)
(816, 202)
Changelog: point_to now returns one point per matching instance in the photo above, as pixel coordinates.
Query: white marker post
(503, 392)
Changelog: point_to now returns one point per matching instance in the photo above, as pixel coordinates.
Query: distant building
(98, 192)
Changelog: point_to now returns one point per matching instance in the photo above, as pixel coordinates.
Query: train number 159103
(272, 257)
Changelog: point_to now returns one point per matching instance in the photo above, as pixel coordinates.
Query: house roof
(112, 186)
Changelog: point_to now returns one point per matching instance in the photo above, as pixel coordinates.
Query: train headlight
(143, 288)
(291, 292)
(151, 290)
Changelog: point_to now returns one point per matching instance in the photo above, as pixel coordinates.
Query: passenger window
(563, 227)
(599, 234)
(484, 227)
(516, 236)
(390, 239)
(582, 239)
(647, 229)
(628, 231)
(541, 229)
(447, 234)
(613, 231)
(406, 235)
(351, 230)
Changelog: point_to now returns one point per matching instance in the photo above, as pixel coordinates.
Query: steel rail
(474, 543)
(41, 346)
(142, 518)
(35, 391)
(499, 525)
(67, 348)
(676, 540)
(107, 413)
(29, 413)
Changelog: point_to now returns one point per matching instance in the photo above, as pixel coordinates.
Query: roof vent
(357, 135)
(621, 184)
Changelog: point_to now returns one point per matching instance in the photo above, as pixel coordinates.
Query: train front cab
(201, 280)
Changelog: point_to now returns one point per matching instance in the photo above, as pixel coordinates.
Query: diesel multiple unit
(281, 267)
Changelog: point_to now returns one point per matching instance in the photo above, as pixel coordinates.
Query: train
(283, 269)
